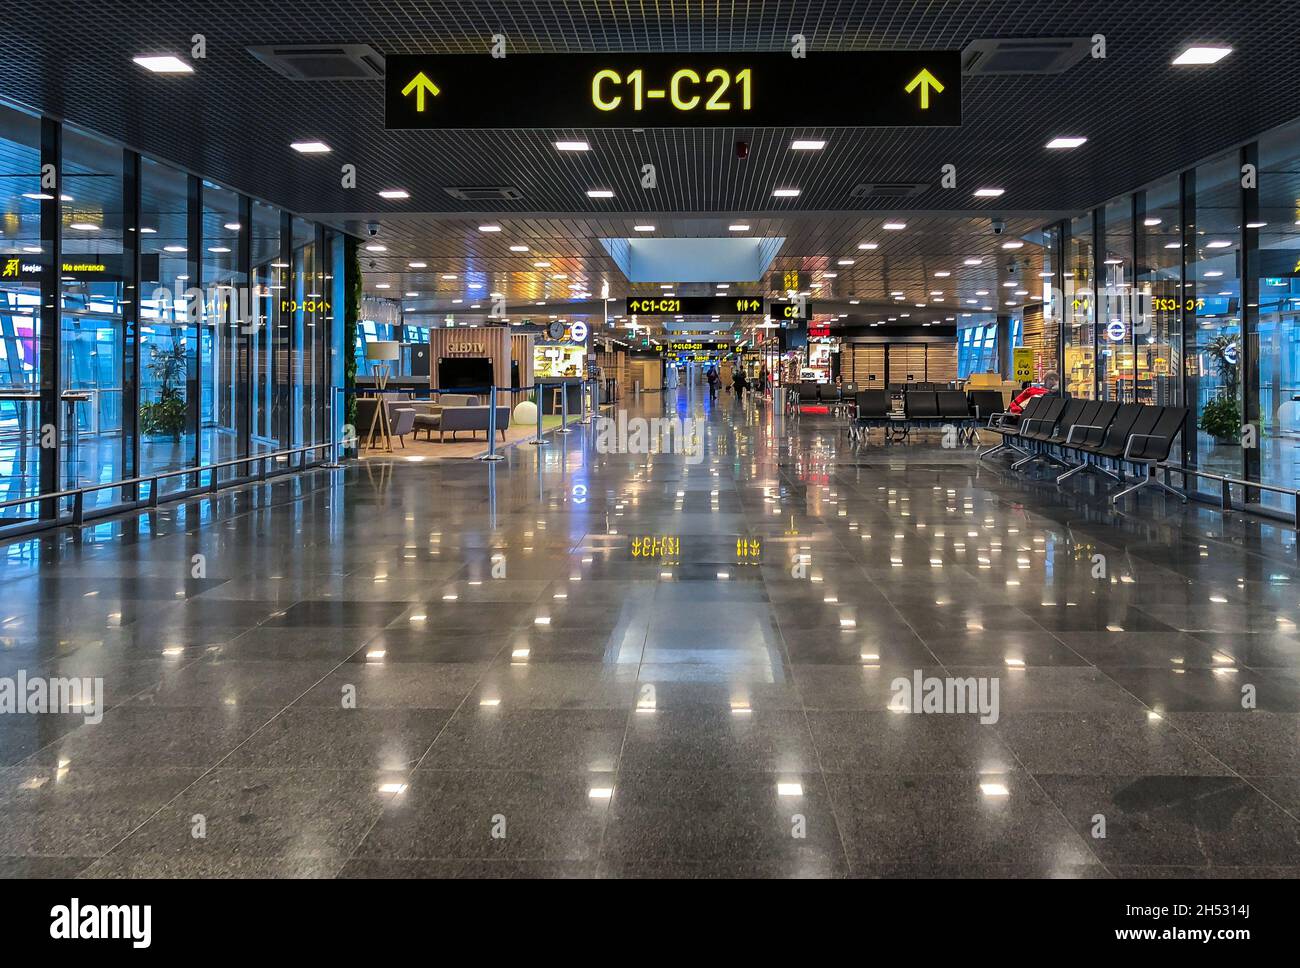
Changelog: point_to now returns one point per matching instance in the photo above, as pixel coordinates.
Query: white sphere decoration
(525, 413)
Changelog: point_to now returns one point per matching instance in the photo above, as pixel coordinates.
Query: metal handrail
(1226, 484)
(78, 494)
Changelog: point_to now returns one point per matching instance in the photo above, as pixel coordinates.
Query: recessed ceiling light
(219, 249)
(38, 196)
(738, 227)
(572, 146)
(418, 265)
(829, 275)
(1218, 244)
(173, 248)
(942, 274)
(84, 226)
(411, 295)
(230, 226)
(785, 193)
(163, 64)
(1013, 245)
(1213, 275)
(723, 285)
(1064, 141)
(383, 285)
(1255, 225)
(868, 246)
(519, 248)
(449, 275)
(973, 262)
(489, 228)
(541, 265)
(807, 145)
(599, 193)
(1173, 245)
(644, 228)
(310, 147)
(988, 192)
(894, 226)
(394, 193)
(844, 262)
(376, 247)
(1201, 55)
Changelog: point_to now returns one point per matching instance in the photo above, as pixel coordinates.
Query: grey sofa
(428, 416)
(473, 419)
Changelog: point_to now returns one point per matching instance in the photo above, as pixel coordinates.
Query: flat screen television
(464, 372)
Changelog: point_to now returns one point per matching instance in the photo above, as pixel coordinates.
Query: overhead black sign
(781, 309)
(694, 306)
(620, 90)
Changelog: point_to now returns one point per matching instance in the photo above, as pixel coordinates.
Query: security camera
(999, 226)
(372, 229)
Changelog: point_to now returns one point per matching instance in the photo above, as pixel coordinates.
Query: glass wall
(1213, 302)
(194, 324)
(222, 379)
(1116, 362)
(168, 330)
(1159, 322)
(977, 346)
(20, 300)
(1277, 350)
(1079, 375)
(93, 281)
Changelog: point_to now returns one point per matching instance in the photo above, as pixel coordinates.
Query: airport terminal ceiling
(233, 120)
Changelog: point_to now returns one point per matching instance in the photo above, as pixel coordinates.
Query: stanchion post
(537, 398)
(492, 427)
(564, 409)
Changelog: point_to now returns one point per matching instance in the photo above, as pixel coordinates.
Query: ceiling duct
(322, 62)
(1023, 55)
(490, 193)
(888, 190)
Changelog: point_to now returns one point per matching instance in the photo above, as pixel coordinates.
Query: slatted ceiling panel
(241, 102)
(941, 362)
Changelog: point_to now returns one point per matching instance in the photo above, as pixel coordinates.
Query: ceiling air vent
(1024, 55)
(487, 194)
(322, 62)
(888, 190)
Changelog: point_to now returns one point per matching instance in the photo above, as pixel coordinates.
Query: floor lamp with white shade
(383, 353)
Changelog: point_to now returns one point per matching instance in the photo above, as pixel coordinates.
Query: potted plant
(1224, 353)
(1222, 420)
(166, 416)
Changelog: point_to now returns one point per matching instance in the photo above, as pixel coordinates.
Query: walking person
(712, 377)
(739, 383)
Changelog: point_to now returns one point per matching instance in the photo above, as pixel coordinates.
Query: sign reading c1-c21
(824, 89)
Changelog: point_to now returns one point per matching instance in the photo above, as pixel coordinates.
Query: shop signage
(1022, 364)
(819, 332)
(838, 89)
(475, 349)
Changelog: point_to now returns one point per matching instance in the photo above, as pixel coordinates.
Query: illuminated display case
(558, 359)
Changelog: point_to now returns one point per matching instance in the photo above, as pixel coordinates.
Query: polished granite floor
(459, 669)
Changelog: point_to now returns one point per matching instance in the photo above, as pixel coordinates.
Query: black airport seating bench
(927, 408)
(1089, 436)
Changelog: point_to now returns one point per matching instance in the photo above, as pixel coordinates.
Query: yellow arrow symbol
(926, 80)
(421, 85)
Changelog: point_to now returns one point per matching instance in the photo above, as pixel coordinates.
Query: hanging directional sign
(617, 90)
(797, 309)
(694, 306)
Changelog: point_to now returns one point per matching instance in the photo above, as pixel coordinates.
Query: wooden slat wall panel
(521, 349)
(941, 362)
(495, 342)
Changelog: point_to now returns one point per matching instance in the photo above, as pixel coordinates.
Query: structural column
(49, 426)
(130, 349)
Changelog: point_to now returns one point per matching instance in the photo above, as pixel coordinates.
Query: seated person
(1027, 392)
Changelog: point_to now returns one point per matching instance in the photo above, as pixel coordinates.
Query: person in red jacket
(1027, 392)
